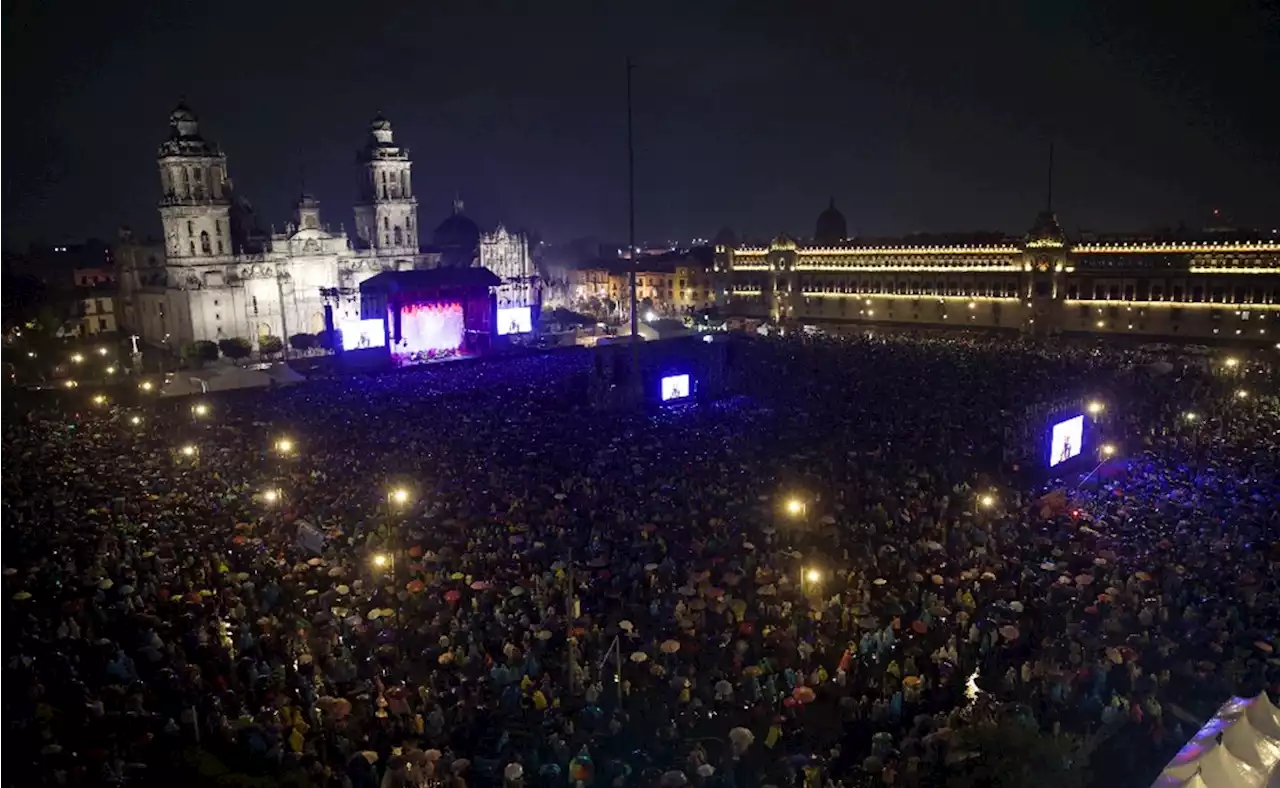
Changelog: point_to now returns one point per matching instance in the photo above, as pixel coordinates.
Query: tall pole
(1049, 200)
(631, 235)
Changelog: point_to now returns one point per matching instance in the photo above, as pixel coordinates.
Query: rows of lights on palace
(216, 275)
(1226, 286)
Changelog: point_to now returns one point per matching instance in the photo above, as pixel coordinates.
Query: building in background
(507, 256)
(670, 285)
(216, 275)
(1215, 284)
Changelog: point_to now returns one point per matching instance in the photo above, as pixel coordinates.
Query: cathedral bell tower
(386, 212)
(195, 202)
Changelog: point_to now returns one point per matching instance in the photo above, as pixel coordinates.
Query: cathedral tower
(195, 201)
(387, 211)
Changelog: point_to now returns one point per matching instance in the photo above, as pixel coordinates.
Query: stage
(414, 317)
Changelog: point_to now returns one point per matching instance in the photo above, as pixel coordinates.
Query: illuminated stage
(428, 315)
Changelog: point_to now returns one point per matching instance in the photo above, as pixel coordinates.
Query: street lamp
(188, 451)
(1095, 407)
(1242, 394)
(135, 420)
(102, 351)
(381, 560)
(1108, 449)
(200, 409)
(398, 496)
(76, 358)
(146, 385)
(986, 501)
(99, 399)
(810, 579)
(1232, 362)
(271, 496)
(70, 384)
(1190, 416)
(284, 446)
(795, 507)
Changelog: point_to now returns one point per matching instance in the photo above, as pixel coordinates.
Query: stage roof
(389, 282)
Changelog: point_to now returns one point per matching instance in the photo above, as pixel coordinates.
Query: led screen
(1066, 441)
(430, 330)
(675, 387)
(514, 320)
(360, 334)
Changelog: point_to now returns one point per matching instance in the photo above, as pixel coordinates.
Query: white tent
(1238, 748)
(219, 378)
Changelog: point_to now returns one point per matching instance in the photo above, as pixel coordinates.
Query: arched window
(204, 243)
(217, 227)
(399, 236)
(186, 183)
(386, 222)
(408, 223)
(191, 229)
(192, 245)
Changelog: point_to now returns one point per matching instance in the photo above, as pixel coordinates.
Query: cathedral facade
(217, 276)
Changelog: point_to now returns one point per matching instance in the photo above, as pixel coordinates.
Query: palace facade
(1222, 285)
(216, 275)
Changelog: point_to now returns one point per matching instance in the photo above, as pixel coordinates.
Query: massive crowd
(465, 575)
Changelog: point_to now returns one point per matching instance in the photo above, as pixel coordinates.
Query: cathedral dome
(379, 123)
(457, 237)
(831, 227)
(1046, 231)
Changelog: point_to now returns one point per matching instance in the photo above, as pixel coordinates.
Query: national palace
(1217, 285)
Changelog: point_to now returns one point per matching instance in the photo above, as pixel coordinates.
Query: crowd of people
(466, 575)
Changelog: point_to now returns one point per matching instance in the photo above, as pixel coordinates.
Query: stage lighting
(1108, 450)
(1095, 407)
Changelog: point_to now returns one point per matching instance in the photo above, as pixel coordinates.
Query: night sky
(933, 116)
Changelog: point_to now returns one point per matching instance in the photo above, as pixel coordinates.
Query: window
(399, 236)
(217, 316)
(217, 227)
(408, 223)
(219, 247)
(196, 173)
(204, 243)
(1128, 292)
(386, 240)
(215, 302)
(102, 324)
(255, 305)
(1177, 292)
(192, 246)
(102, 305)
(386, 223)
(191, 229)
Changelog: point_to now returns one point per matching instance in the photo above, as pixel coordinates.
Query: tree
(302, 342)
(270, 344)
(328, 340)
(201, 352)
(1015, 754)
(235, 348)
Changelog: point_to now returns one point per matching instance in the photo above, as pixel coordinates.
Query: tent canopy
(1238, 748)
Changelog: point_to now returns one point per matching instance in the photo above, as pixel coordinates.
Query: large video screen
(514, 320)
(360, 334)
(430, 330)
(675, 387)
(1066, 440)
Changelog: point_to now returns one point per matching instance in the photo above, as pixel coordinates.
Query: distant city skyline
(748, 115)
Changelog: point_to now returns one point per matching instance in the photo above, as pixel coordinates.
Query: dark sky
(915, 116)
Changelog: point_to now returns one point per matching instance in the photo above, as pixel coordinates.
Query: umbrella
(670, 646)
(543, 634)
(626, 626)
(639, 656)
(518, 591)
(479, 585)
(937, 580)
(804, 694)
(414, 586)
(452, 595)
(879, 581)
(1084, 580)
(1009, 632)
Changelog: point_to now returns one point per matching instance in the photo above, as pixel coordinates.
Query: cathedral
(216, 275)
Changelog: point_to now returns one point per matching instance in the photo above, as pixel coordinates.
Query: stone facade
(507, 255)
(211, 278)
(1224, 286)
